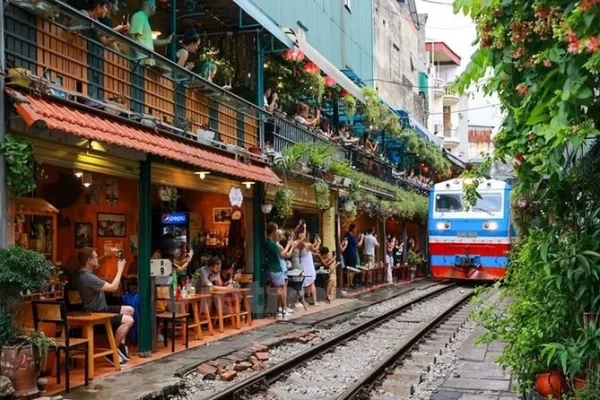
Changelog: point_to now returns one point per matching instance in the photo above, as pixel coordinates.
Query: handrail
(53, 10)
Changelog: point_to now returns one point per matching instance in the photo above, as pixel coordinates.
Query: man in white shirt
(369, 245)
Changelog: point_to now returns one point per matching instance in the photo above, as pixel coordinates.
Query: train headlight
(443, 226)
(490, 226)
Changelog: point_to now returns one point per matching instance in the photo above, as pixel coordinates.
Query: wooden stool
(204, 317)
(246, 310)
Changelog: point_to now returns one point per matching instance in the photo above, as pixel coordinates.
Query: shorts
(117, 319)
(277, 278)
(350, 260)
(369, 259)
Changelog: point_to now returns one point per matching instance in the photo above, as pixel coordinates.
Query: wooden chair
(175, 316)
(50, 311)
(245, 306)
(73, 300)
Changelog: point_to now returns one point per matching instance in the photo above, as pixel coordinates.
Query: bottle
(178, 293)
(184, 292)
(227, 238)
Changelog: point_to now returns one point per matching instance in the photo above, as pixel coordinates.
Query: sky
(458, 32)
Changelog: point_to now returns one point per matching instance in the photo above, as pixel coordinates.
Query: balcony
(451, 139)
(438, 87)
(58, 45)
(450, 97)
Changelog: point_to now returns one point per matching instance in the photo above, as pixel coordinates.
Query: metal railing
(438, 84)
(284, 133)
(450, 133)
(450, 92)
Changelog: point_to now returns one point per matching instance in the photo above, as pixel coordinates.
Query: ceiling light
(248, 184)
(78, 174)
(86, 179)
(202, 174)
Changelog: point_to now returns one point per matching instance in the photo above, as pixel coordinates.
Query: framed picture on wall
(222, 215)
(83, 235)
(112, 225)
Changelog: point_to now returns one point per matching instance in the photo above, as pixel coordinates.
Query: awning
(265, 21)
(424, 132)
(455, 160)
(39, 113)
(324, 64)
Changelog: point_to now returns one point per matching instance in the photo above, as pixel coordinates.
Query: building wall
(399, 56)
(343, 36)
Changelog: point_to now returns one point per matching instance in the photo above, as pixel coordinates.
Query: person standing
(389, 257)
(352, 245)
(91, 289)
(274, 265)
(140, 29)
(370, 244)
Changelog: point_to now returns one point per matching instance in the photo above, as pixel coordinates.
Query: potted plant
(349, 108)
(322, 195)
(320, 156)
(21, 271)
(283, 202)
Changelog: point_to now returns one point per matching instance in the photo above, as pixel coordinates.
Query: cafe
(114, 189)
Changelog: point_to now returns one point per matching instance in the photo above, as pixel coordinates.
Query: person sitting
(345, 137)
(226, 275)
(189, 45)
(371, 145)
(210, 274)
(91, 290)
(303, 118)
(271, 105)
(328, 262)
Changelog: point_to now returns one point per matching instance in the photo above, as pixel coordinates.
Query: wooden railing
(58, 43)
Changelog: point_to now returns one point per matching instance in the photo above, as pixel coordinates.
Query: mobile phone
(120, 255)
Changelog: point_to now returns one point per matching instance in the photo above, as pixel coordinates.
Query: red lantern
(425, 170)
(311, 68)
(343, 93)
(294, 55)
(329, 82)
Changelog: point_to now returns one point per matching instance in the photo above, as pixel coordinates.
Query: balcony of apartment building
(451, 139)
(438, 87)
(451, 97)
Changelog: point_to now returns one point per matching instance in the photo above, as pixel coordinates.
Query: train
(469, 243)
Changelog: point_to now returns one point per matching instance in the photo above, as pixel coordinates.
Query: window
(348, 4)
(489, 202)
(450, 202)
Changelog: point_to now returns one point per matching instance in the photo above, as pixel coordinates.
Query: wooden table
(87, 323)
(199, 304)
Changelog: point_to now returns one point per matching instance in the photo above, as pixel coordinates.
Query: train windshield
(453, 202)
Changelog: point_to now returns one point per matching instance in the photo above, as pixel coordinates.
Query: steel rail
(262, 380)
(361, 389)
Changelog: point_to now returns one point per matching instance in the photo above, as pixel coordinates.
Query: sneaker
(299, 305)
(123, 352)
(109, 359)
(288, 310)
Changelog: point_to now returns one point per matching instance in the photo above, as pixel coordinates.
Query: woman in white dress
(308, 266)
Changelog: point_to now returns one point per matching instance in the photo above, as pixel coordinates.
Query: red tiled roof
(90, 126)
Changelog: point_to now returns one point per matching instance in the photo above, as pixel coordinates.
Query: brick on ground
(228, 376)
(262, 356)
(206, 368)
(399, 389)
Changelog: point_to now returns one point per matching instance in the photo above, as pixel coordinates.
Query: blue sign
(175, 219)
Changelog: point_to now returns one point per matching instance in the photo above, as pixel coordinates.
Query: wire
(467, 109)
(398, 13)
(412, 86)
(443, 3)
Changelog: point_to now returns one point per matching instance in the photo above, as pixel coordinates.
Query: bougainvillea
(542, 58)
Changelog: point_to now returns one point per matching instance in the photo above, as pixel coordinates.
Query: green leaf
(584, 93)
(584, 262)
(591, 253)
(544, 252)
(563, 360)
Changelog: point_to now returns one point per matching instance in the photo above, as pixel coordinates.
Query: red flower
(522, 89)
(586, 5)
(547, 63)
(592, 44)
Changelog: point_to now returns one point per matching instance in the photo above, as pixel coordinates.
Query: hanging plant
(284, 199)
(322, 195)
(348, 209)
(349, 108)
(372, 108)
(20, 165)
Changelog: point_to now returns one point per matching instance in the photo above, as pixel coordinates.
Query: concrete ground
(477, 377)
(162, 377)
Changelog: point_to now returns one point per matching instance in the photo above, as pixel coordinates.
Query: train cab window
(448, 202)
(489, 202)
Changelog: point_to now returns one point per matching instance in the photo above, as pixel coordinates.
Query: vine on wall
(20, 165)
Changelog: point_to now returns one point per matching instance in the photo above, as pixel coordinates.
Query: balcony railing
(450, 92)
(450, 133)
(438, 84)
(58, 43)
(285, 133)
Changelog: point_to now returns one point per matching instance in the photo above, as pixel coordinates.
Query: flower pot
(550, 384)
(18, 365)
(42, 383)
(114, 108)
(19, 76)
(579, 382)
(328, 176)
(266, 208)
(255, 150)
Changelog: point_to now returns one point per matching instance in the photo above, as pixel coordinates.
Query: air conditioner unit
(437, 128)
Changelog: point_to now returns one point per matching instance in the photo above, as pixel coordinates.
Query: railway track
(350, 363)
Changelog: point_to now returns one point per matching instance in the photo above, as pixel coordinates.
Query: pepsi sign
(175, 219)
